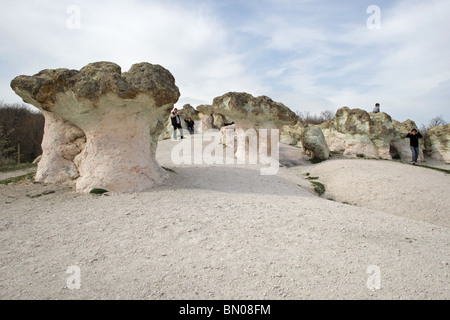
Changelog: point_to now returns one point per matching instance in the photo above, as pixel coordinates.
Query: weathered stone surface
(437, 143)
(237, 106)
(308, 137)
(400, 145)
(355, 132)
(250, 115)
(61, 143)
(121, 116)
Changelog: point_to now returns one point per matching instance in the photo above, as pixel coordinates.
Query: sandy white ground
(227, 232)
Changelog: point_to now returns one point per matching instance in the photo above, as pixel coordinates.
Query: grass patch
(98, 191)
(360, 155)
(168, 169)
(319, 188)
(17, 167)
(26, 177)
(312, 178)
(315, 161)
(433, 168)
(416, 165)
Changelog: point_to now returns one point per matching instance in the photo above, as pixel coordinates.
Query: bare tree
(328, 115)
(20, 125)
(437, 121)
(309, 118)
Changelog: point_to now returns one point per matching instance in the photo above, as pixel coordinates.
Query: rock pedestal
(101, 124)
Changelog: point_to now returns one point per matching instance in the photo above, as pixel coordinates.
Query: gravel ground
(227, 232)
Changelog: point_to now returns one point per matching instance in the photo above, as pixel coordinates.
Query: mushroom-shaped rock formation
(250, 114)
(120, 114)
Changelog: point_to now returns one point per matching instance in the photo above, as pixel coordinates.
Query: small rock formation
(437, 143)
(309, 138)
(102, 125)
(355, 132)
(206, 116)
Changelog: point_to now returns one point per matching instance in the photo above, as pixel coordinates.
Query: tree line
(21, 132)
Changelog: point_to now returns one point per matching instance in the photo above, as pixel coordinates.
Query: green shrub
(319, 188)
(98, 191)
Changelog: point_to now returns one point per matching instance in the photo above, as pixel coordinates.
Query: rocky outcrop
(240, 106)
(437, 143)
(102, 125)
(355, 132)
(400, 145)
(254, 118)
(258, 113)
(250, 114)
(309, 138)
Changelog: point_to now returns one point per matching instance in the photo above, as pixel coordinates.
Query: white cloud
(307, 54)
(190, 42)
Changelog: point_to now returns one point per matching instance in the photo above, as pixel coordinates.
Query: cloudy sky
(311, 55)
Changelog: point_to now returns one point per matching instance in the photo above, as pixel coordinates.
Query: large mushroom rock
(356, 132)
(121, 116)
(250, 115)
(437, 142)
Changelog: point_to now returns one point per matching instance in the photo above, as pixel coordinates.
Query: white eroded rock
(120, 114)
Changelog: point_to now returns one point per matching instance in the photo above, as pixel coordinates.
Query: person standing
(414, 137)
(176, 123)
(190, 124)
(377, 108)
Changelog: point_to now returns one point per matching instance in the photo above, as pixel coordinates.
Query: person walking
(414, 137)
(176, 123)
